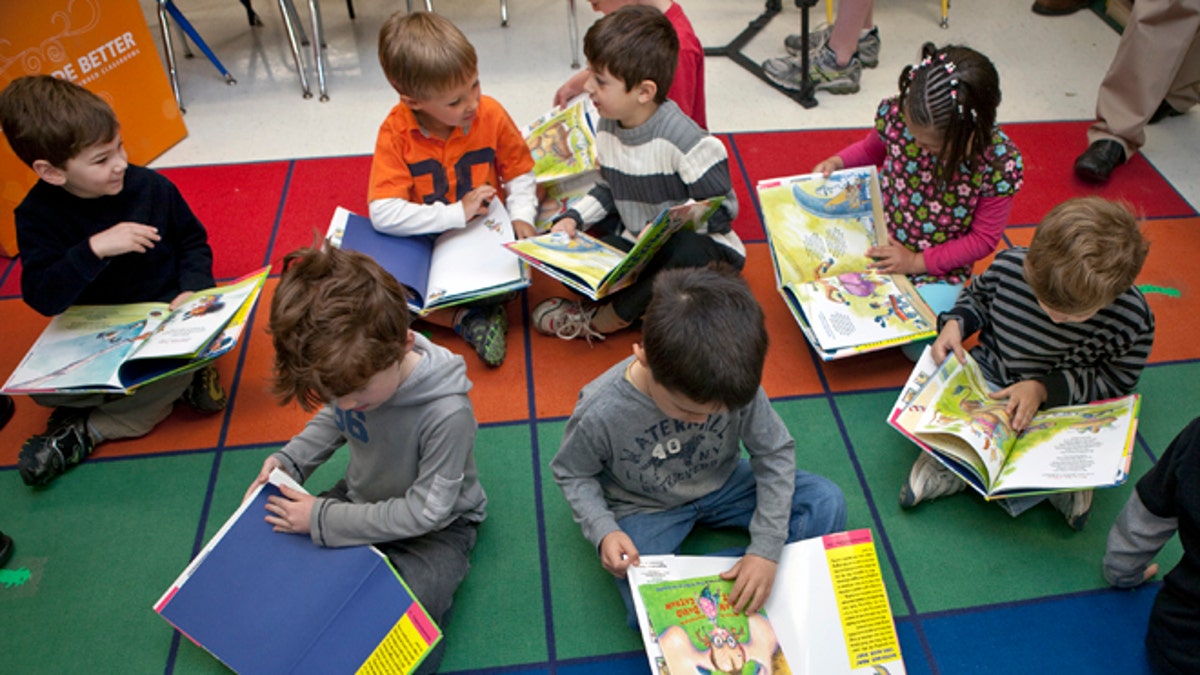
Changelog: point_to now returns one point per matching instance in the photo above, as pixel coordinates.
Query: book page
(582, 260)
(562, 141)
(965, 422)
(1073, 447)
(83, 348)
(689, 216)
(189, 329)
(854, 309)
(697, 627)
(819, 227)
(471, 263)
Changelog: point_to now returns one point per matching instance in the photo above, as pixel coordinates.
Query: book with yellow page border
(819, 230)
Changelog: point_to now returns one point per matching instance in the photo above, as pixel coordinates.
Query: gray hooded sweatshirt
(412, 464)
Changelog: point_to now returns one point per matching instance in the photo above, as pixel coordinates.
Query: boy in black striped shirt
(1059, 323)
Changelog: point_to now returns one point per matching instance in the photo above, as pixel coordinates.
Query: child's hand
(896, 259)
(124, 237)
(264, 473)
(830, 165)
(617, 553)
(567, 225)
(753, 578)
(180, 299)
(291, 511)
(949, 340)
(1024, 399)
(476, 202)
(523, 230)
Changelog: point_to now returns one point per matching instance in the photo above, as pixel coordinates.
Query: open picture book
(563, 141)
(597, 269)
(819, 230)
(452, 268)
(946, 410)
(828, 613)
(118, 348)
(262, 601)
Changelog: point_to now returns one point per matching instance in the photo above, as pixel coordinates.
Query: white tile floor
(1050, 69)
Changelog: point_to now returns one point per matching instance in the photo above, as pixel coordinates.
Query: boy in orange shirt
(443, 153)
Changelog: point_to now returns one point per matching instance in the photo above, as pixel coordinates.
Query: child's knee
(818, 507)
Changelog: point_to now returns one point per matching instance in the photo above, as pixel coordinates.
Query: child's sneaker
(868, 45)
(566, 319)
(928, 480)
(1076, 507)
(823, 71)
(205, 393)
(46, 456)
(485, 329)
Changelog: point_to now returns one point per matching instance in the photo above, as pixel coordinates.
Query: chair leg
(350, 8)
(191, 32)
(573, 32)
(504, 13)
(295, 45)
(164, 26)
(318, 29)
(945, 14)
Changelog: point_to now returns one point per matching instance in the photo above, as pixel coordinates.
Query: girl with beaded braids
(947, 173)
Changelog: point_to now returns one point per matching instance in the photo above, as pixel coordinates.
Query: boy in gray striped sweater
(1059, 323)
(651, 157)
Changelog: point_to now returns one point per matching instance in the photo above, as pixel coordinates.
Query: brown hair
(54, 120)
(635, 43)
(337, 319)
(1085, 253)
(704, 335)
(424, 54)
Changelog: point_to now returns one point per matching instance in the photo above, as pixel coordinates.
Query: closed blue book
(262, 601)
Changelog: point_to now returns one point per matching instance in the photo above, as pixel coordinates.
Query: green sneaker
(485, 329)
(205, 393)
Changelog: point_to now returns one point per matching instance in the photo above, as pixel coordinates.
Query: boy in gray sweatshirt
(654, 445)
(340, 326)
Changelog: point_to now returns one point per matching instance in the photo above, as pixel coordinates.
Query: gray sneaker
(928, 480)
(823, 70)
(1076, 507)
(868, 45)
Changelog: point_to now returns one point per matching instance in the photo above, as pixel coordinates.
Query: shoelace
(576, 324)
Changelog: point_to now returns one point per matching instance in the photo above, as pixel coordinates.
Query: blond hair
(423, 54)
(1085, 253)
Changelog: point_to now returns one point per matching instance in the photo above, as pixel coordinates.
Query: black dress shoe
(1164, 111)
(1096, 163)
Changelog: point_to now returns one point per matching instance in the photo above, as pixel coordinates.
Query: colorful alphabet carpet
(972, 589)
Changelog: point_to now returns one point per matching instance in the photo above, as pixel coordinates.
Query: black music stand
(805, 95)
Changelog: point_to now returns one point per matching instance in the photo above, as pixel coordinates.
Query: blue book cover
(261, 601)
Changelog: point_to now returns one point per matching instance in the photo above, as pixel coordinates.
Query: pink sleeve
(991, 217)
(870, 151)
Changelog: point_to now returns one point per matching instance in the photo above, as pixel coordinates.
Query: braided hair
(955, 90)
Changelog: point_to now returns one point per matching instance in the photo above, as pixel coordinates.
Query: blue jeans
(818, 508)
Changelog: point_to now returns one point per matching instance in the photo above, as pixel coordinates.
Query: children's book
(119, 348)
(828, 613)
(597, 269)
(563, 141)
(452, 268)
(262, 601)
(818, 230)
(946, 410)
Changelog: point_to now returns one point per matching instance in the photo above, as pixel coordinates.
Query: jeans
(818, 507)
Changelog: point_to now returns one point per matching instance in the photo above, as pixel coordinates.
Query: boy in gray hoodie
(654, 446)
(340, 326)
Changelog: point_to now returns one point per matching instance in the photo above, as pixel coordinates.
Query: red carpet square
(237, 204)
(316, 188)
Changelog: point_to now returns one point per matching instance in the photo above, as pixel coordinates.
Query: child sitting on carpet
(946, 171)
(442, 154)
(1165, 500)
(687, 88)
(651, 156)
(97, 230)
(1059, 323)
(340, 326)
(654, 446)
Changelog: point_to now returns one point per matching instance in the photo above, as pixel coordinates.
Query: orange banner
(105, 47)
